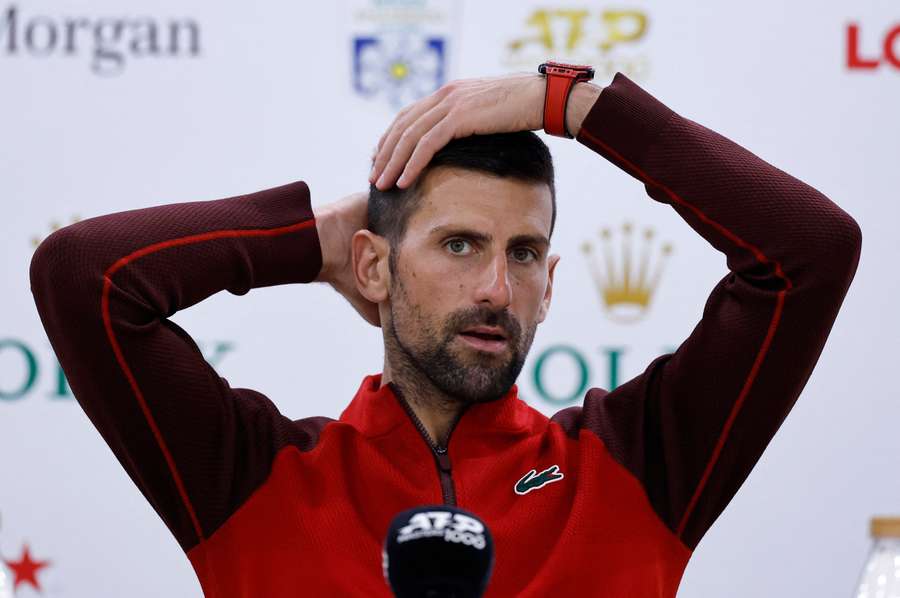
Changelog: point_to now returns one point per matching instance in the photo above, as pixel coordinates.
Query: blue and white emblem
(401, 66)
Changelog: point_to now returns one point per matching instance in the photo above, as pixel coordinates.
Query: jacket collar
(376, 410)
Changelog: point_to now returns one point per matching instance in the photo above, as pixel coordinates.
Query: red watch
(561, 77)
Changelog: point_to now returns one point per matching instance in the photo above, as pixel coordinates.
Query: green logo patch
(533, 480)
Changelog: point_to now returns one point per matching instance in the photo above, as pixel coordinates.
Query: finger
(397, 118)
(407, 142)
(403, 118)
(437, 137)
(394, 122)
(376, 166)
(391, 135)
(389, 138)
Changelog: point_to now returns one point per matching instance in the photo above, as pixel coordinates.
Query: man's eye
(523, 255)
(459, 246)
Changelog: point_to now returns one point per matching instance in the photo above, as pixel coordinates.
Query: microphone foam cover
(438, 552)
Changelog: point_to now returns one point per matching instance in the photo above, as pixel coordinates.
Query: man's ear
(370, 265)
(548, 293)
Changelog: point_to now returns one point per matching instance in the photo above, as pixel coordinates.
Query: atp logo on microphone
(437, 550)
(453, 527)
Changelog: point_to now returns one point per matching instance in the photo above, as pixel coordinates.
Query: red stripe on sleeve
(773, 324)
(107, 282)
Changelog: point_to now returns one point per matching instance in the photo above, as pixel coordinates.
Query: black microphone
(438, 552)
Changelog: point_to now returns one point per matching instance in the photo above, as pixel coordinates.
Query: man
(606, 499)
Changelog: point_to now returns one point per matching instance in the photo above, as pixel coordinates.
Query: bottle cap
(885, 527)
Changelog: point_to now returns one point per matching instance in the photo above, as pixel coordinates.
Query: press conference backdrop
(109, 106)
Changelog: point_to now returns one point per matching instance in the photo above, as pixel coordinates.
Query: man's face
(472, 280)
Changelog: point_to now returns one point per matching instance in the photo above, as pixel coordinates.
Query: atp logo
(452, 527)
(533, 480)
(610, 39)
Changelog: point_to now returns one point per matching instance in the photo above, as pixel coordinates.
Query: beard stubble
(464, 375)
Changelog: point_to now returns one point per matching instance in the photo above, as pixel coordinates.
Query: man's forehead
(450, 196)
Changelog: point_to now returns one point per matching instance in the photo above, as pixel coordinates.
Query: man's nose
(494, 287)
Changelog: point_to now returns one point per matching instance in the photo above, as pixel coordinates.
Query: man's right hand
(336, 223)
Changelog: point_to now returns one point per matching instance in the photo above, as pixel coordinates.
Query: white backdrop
(101, 117)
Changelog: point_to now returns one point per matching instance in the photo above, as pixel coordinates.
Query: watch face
(582, 72)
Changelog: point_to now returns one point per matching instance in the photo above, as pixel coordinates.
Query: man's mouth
(491, 339)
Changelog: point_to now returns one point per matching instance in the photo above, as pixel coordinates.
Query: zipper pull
(443, 458)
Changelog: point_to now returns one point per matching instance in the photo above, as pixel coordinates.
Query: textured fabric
(266, 506)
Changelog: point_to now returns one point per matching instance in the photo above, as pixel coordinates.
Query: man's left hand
(458, 109)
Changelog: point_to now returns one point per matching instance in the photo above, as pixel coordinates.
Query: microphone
(437, 552)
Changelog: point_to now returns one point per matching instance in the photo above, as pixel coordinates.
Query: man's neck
(436, 410)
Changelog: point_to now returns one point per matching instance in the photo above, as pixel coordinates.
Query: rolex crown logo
(626, 286)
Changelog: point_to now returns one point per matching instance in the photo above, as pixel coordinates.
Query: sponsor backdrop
(109, 107)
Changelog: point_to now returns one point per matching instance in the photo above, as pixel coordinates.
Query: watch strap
(561, 77)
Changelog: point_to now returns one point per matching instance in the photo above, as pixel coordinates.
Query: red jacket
(606, 499)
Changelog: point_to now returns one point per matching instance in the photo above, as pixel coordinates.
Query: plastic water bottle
(881, 575)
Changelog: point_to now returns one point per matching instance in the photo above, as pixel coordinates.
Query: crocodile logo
(533, 480)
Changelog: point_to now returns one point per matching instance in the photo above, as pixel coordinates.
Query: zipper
(441, 456)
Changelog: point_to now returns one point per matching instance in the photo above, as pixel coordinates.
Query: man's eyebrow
(459, 231)
(539, 240)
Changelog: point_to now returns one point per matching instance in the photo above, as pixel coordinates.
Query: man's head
(459, 263)
(522, 156)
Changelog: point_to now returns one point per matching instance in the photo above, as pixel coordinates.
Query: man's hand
(458, 109)
(335, 224)
(468, 107)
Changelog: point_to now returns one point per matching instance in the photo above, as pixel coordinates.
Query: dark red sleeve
(694, 424)
(105, 288)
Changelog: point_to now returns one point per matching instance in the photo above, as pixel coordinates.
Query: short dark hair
(520, 155)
